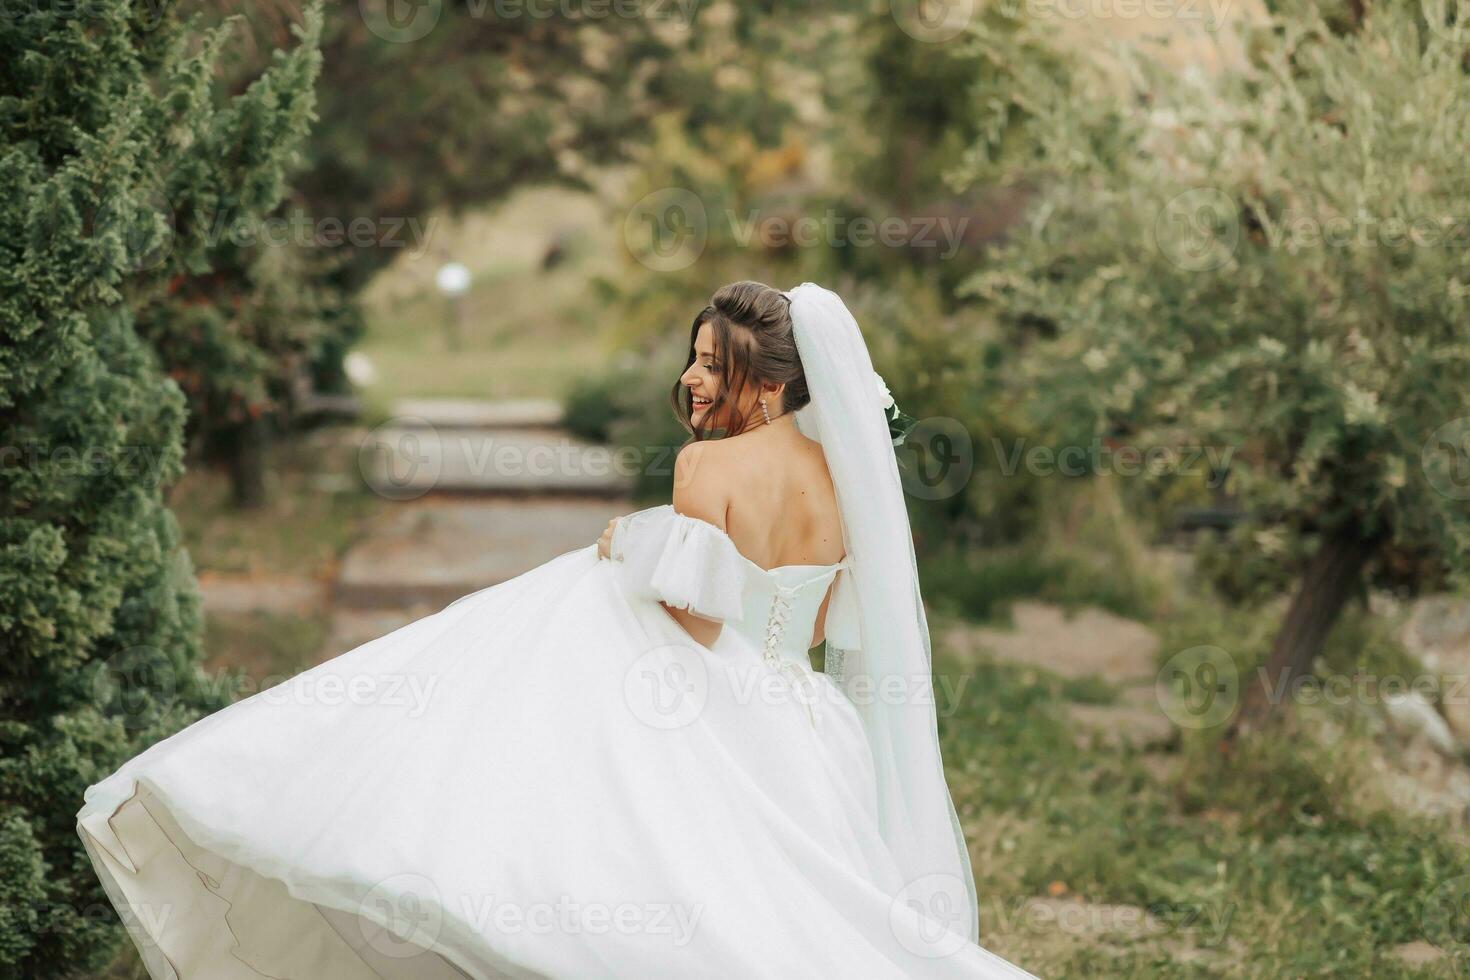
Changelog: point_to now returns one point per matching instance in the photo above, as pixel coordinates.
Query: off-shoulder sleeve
(682, 561)
(842, 629)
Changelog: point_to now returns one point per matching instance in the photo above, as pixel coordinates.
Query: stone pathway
(484, 491)
(433, 551)
(232, 594)
(487, 491)
(492, 450)
(1437, 633)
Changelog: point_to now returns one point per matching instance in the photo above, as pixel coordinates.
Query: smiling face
(705, 380)
(742, 350)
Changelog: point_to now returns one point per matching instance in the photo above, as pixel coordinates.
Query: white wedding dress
(551, 778)
(547, 778)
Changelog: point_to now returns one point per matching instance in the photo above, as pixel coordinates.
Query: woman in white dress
(619, 764)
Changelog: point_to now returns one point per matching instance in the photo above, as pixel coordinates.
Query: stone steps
(408, 458)
(434, 551)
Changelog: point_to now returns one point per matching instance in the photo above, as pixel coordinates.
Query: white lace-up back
(691, 564)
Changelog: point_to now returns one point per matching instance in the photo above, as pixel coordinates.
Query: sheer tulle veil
(889, 677)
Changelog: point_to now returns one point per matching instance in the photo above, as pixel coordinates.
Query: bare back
(782, 508)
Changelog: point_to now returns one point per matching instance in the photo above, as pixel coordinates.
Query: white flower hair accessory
(899, 424)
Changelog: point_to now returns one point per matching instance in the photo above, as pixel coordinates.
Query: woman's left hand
(604, 543)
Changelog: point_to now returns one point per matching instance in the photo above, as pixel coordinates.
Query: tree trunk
(1332, 577)
(246, 444)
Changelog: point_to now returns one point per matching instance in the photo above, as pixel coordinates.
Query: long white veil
(889, 678)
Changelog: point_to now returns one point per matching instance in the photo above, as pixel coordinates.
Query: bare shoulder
(701, 481)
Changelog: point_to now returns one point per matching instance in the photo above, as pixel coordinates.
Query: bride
(618, 764)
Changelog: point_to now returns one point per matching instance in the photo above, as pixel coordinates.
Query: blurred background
(315, 318)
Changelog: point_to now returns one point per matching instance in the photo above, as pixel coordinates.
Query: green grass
(982, 585)
(316, 507)
(523, 331)
(523, 334)
(1287, 858)
(1276, 862)
(267, 647)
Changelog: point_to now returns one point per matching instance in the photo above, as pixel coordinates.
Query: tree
(1271, 262)
(115, 155)
(462, 102)
(425, 107)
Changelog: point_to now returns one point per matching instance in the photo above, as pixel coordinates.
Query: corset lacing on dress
(798, 676)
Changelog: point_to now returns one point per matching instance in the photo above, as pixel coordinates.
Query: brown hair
(753, 338)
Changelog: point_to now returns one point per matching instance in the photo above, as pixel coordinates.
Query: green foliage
(1272, 863)
(247, 305)
(1269, 262)
(114, 155)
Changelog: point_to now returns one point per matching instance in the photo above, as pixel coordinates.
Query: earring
(766, 412)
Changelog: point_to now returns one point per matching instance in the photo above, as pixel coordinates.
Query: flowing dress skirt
(543, 779)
